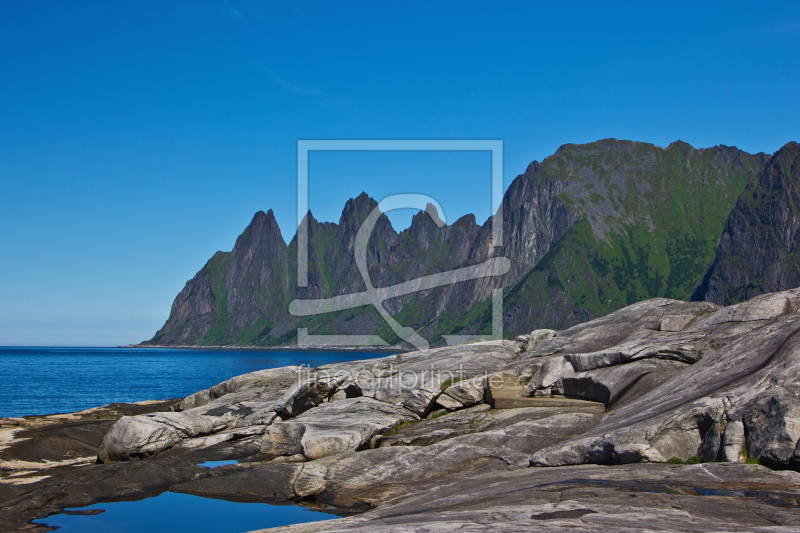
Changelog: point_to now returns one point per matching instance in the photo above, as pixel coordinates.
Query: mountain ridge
(590, 229)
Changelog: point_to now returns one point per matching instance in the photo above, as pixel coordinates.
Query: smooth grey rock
(733, 442)
(578, 499)
(420, 401)
(141, 436)
(538, 336)
(430, 431)
(240, 402)
(283, 439)
(255, 399)
(429, 369)
(448, 402)
(197, 399)
(308, 393)
(553, 370)
(675, 322)
(772, 426)
(477, 437)
(764, 307)
(467, 392)
(245, 483)
(338, 395)
(610, 384)
(256, 379)
(221, 436)
(627, 353)
(750, 358)
(711, 445)
(311, 480)
(334, 428)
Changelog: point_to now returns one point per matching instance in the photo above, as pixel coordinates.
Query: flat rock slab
(35, 443)
(520, 402)
(680, 379)
(427, 432)
(631, 498)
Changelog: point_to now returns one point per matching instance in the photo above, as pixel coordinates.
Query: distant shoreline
(274, 348)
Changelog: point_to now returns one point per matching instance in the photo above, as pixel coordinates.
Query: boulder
(750, 376)
(309, 392)
(334, 428)
(240, 402)
(139, 437)
(259, 379)
(537, 337)
(420, 401)
(283, 439)
(772, 425)
(553, 370)
(448, 402)
(467, 392)
(733, 442)
(610, 384)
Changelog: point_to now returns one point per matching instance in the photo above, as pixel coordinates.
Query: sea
(41, 381)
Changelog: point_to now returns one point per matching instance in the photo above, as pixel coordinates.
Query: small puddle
(214, 464)
(180, 513)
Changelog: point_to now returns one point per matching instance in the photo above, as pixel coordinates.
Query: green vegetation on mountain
(759, 251)
(650, 221)
(591, 229)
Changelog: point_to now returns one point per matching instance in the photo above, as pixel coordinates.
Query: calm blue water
(215, 464)
(183, 513)
(40, 381)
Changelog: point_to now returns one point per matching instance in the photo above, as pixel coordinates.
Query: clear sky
(138, 138)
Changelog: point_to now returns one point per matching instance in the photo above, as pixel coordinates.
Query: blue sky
(138, 138)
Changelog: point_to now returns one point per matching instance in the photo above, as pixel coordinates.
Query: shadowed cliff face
(591, 229)
(759, 248)
(235, 290)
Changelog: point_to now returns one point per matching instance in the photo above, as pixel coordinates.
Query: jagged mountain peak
(590, 229)
(431, 210)
(357, 208)
(309, 218)
(263, 228)
(787, 154)
(424, 221)
(467, 220)
(355, 211)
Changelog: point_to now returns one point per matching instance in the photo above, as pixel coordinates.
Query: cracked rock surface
(406, 442)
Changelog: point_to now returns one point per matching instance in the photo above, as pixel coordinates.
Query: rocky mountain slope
(759, 251)
(591, 229)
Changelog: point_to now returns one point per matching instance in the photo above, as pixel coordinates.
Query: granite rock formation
(407, 441)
